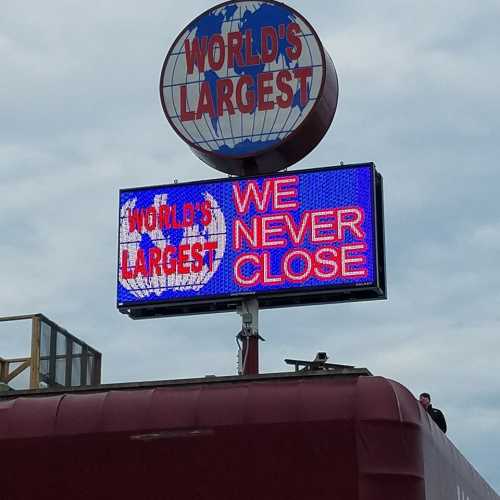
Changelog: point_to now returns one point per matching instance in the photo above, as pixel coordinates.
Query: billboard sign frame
(283, 297)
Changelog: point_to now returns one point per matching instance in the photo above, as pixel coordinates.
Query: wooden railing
(10, 368)
(6, 375)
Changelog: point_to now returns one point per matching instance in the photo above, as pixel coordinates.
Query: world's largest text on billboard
(294, 233)
(243, 80)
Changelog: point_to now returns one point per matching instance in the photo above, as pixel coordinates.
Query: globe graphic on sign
(142, 239)
(252, 112)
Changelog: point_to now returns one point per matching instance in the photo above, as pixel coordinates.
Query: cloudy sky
(81, 118)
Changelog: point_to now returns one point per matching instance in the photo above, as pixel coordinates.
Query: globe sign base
(249, 87)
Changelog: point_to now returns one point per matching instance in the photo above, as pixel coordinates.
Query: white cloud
(81, 118)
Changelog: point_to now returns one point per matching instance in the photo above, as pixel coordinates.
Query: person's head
(425, 399)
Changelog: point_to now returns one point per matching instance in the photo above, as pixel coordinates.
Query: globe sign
(249, 87)
(198, 224)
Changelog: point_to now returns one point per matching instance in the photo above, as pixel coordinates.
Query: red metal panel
(80, 414)
(29, 417)
(222, 405)
(273, 402)
(125, 411)
(325, 437)
(328, 400)
(447, 473)
(174, 407)
(388, 442)
(5, 410)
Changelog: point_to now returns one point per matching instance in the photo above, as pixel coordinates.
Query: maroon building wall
(291, 437)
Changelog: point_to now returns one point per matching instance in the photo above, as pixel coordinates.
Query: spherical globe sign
(249, 87)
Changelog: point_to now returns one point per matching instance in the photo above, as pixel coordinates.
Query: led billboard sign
(249, 86)
(310, 236)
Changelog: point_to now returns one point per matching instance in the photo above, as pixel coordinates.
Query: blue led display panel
(294, 238)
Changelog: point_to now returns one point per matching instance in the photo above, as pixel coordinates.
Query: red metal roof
(324, 436)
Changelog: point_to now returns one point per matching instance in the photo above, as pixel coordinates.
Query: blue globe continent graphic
(264, 15)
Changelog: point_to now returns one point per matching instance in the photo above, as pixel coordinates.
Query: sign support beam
(248, 355)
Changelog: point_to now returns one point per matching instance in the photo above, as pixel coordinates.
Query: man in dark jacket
(436, 415)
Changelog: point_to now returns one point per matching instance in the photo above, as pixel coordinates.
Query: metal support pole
(248, 361)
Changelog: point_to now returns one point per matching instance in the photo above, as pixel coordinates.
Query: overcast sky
(81, 118)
